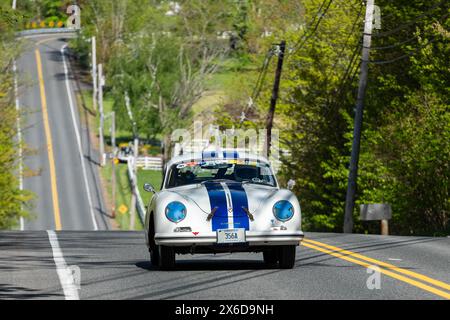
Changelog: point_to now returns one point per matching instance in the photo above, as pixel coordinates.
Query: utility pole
(135, 156)
(113, 142)
(353, 170)
(275, 91)
(102, 117)
(94, 73)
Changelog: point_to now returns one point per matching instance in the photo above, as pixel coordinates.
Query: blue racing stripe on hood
(217, 198)
(239, 200)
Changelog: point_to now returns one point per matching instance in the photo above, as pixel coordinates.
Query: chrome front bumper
(253, 238)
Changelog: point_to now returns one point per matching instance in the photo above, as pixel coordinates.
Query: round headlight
(283, 210)
(176, 211)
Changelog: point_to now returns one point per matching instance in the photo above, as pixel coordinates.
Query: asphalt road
(115, 265)
(50, 125)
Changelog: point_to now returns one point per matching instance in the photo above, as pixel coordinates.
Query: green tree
(404, 151)
(164, 71)
(13, 201)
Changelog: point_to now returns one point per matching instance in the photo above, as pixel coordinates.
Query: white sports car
(223, 201)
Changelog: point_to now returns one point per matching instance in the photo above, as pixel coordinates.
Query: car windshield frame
(230, 163)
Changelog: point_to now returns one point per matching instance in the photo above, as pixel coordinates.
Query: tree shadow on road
(211, 265)
(16, 292)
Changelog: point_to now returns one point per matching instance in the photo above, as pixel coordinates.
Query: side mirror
(291, 184)
(149, 188)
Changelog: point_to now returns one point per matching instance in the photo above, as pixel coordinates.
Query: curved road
(67, 187)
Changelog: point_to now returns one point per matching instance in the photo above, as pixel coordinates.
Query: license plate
(231, 236)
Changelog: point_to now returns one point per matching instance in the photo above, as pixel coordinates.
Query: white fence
(149, 163)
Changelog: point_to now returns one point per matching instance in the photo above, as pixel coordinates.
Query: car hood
(214, 194)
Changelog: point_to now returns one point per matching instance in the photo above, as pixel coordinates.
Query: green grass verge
(123, 191)
(123, 194)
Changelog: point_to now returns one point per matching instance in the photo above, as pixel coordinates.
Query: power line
(355, 23)
(391, 60)
(376, 62)
(351, 63)
(350, 70)
(406, 55)
(409, 23)
(316, 15)
(307, 36)
(262, 74)
(394, 45)
(259, 83)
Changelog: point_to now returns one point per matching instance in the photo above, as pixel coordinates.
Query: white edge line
(19, 137)
(77, 134)
(65, 274)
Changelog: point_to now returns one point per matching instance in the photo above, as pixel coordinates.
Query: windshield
(235, 170)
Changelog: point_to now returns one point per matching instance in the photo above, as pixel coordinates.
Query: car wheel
(287, 257)
(270, 256)
(153, 248)
(151, 234)
(166, 257)
(154, 256)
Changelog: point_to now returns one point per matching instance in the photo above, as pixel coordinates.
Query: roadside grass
(123, 189)
(123, 194)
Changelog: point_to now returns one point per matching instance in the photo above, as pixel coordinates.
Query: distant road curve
(45, 31)
(69, 194)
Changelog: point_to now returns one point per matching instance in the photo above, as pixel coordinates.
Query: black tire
(287, 257)
(151, 234)
(166, 258)
(270, 256)
(154, 256)
(154, 250)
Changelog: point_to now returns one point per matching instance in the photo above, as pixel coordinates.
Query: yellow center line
(443, 294)
(48, 135)
(384, 264)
